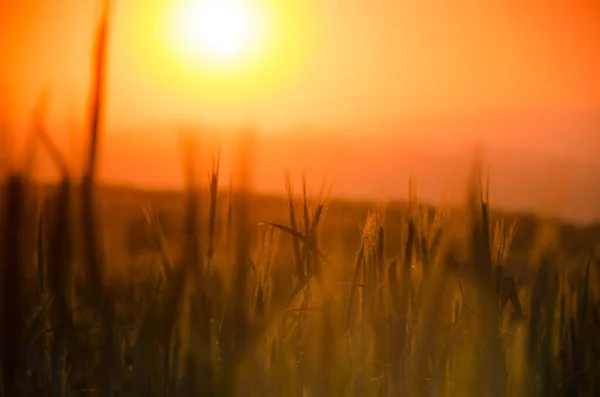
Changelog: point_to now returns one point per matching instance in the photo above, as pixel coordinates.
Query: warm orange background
(525, 74)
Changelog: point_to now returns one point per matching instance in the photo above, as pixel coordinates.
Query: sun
(216, 29)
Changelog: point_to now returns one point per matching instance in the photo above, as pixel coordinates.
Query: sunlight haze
(216, 30)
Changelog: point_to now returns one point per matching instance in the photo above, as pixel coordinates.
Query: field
(216, 292)
(219, 292)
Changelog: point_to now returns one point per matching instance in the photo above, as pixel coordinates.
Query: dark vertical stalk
(212, 215)
(59, 267)
(11, 305)
(109, 363)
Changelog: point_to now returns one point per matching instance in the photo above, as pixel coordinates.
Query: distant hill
(545, 163)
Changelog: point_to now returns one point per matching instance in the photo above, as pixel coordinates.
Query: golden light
(217, 30)
(259, 48)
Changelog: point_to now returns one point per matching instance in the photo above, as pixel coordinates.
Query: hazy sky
(336, 62)
(345, 64)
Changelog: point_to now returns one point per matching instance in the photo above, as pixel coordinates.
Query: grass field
(116, 292)
(198, 297)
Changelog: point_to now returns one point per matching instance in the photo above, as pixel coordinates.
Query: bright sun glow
(226, 50)
(216, 29)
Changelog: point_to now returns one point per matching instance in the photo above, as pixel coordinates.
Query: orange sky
(358, 63)
(343, 64)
